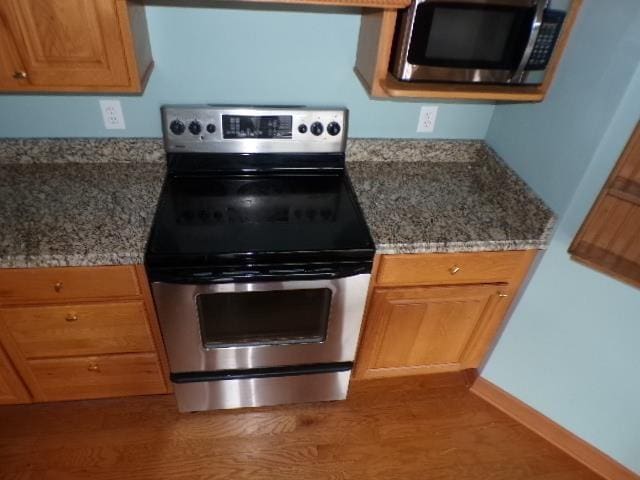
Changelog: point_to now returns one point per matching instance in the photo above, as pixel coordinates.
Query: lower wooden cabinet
(95, 377)
(11, 388)
(447, 323)
(78, 333)
(420, 330)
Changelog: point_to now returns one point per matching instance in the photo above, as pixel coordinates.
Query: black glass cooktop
(258, 218)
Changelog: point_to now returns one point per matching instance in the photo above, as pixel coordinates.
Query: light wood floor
(426, 428)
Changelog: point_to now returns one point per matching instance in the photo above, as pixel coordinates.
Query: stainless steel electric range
(259, 257)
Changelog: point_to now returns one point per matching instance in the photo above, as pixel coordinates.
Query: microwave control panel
(547, 37)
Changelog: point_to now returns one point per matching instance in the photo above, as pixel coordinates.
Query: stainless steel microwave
(477, 41)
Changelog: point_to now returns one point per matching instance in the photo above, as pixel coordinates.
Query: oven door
(488, 41)
(234, 326)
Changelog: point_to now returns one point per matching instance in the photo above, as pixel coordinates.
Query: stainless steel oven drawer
(260, 392)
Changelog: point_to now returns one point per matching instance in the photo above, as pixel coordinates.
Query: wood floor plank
(412, 428)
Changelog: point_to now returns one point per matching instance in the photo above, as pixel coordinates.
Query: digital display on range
(244, 126)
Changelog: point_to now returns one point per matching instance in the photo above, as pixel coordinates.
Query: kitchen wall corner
(570, 348)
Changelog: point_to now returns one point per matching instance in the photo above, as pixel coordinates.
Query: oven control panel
(234, 129)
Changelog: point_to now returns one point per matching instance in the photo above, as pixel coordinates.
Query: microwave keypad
(543, 48)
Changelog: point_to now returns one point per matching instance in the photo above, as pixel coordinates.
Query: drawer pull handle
(455, 269)
(71, 317)
(93, 367)
(20, 75)
(503, 295)
(58, 287)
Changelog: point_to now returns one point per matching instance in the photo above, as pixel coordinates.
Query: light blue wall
(551, 143)
(222, 55)
(570, 349)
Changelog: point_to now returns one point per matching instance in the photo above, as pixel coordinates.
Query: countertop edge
(76, 260)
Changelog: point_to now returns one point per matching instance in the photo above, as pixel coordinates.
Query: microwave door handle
(533, 36)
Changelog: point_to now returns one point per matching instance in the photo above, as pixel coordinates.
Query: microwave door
(468, 41)
(520, 75)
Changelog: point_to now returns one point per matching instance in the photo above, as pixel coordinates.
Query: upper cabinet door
(66, 45)
(11, 66)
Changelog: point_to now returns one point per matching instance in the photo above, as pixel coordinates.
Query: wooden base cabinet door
(67, 43)
(420, 330)
(11, 388)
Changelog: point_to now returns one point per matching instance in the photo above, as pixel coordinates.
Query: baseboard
(585, 453)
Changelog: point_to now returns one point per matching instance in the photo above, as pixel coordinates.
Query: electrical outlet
(427, 119)
(112, 114)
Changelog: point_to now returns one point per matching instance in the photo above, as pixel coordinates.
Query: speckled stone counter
(443, 196)
(88, 202)
(91, 202)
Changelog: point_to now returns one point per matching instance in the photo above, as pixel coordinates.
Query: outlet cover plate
(427, 119)
(112, 115)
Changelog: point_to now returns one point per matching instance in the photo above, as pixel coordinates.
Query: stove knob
(211, 128)
(333, 129)
(195, 127)
(302, 128)
(177, 127)
(317, 128)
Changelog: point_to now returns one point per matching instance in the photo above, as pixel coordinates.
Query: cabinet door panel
(11, 388)
(69, 42)
(610, 239)
(10, 63)
(427, 331)
(422, 329)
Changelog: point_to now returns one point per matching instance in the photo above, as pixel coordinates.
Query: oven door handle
(518, 75)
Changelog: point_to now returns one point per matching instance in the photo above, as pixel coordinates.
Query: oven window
(264, 318)
(470, 36)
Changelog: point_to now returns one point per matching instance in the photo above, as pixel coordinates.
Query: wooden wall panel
(609, 239)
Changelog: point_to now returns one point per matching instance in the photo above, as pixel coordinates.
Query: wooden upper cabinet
(73, 46)
(609, 239)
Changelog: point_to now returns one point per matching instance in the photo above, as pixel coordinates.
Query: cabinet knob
(503, 295)
(58, 287)
(71, 317)
(20, 75)
(455, 269)
(93, 367)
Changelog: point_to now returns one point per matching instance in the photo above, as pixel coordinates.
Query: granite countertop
(444, 196)
(70, 203)
(91, 202)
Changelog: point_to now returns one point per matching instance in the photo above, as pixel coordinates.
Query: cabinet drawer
(32, 285)
(72, 330)
(449, 268)
(97, 376)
